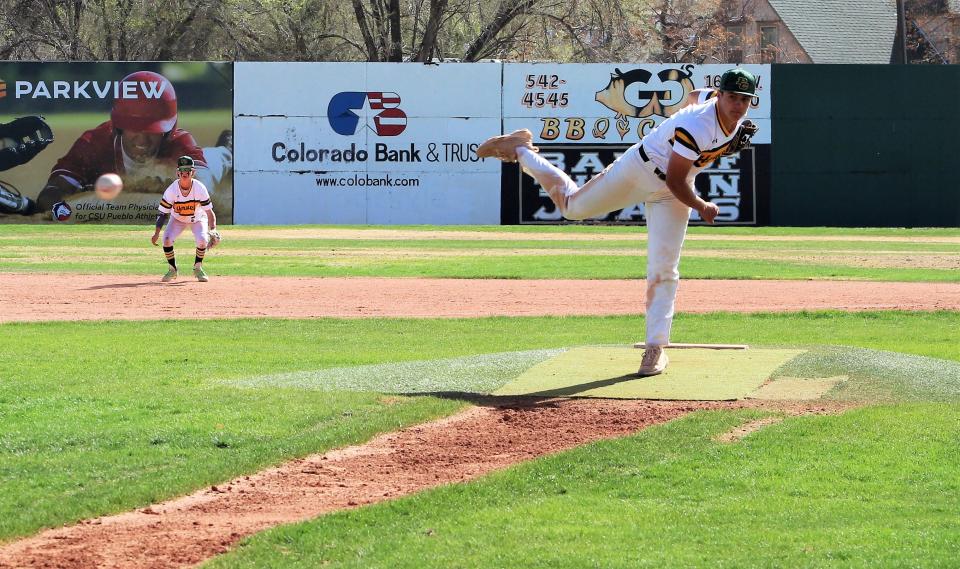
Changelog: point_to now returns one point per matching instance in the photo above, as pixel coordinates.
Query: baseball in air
(108, 186)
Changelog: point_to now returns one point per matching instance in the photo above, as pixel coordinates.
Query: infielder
(658, 171)
(186, 203)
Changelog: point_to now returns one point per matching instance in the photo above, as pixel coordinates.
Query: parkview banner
(132, 119)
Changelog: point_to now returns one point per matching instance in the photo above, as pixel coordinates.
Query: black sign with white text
(731, 183)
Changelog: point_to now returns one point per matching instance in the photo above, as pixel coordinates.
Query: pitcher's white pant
(176, 227)
(628, 181)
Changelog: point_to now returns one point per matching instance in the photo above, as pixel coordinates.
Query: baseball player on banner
(186, 203)
(659, 171)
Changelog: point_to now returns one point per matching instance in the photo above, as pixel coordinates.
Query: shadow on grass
(135, 285)
(573, 390)
(527, 401)
(568, 391)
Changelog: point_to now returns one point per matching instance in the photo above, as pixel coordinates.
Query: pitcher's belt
(656, 170)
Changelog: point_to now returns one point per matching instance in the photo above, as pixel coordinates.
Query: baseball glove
(213, 239)
(741, 140)
(26, 137)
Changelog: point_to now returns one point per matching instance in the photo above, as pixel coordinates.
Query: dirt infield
(490, 436)
(111, 297)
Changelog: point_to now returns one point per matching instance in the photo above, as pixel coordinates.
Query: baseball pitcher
(658, 171)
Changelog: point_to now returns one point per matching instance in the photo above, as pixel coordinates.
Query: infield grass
(103, 417)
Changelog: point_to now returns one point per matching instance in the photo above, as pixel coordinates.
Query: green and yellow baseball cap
(739, 81)
(185, 164)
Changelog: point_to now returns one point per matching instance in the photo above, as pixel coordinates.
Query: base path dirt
(490, 436)
(117, 297)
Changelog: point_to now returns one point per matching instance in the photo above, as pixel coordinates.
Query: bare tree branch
(365, 30)
(431, 30)
(507, 12)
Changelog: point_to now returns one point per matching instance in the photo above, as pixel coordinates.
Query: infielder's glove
(741, 140)
(30, 135)
(213, 239)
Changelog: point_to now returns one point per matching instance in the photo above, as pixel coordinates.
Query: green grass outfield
(104, 417)
(874, 487)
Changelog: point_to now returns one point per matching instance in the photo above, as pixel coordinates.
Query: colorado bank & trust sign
(348, 112)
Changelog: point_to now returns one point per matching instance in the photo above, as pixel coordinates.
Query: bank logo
(379, 111)
(639, 94)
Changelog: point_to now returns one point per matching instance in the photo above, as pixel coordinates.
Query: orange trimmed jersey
(188, 208)
(694, 132)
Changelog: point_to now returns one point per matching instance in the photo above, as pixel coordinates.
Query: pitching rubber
(681, 346)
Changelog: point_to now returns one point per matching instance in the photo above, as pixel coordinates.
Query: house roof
(841, 31)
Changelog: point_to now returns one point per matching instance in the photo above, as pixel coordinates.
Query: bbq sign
(603, 103)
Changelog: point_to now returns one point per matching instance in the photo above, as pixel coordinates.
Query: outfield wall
(865, 146)
(379, 143)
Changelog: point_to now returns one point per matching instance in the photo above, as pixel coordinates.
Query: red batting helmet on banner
(153, 109)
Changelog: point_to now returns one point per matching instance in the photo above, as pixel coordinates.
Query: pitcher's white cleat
(504, 147)
(654, 361)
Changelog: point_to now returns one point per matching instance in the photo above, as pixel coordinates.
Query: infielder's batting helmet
(146, 114)
(739, 81)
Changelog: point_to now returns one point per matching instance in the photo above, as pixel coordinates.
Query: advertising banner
(366, 143)
(63, 125)
(607, 103)
(728, 182)
(584, 116)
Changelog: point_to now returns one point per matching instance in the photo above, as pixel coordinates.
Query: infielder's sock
(168, 253)
(201, 251)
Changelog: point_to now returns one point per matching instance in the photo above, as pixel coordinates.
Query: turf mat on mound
(693, 374)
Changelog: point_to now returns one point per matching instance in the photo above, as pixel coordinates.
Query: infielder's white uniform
(639, 176)
(186, 210)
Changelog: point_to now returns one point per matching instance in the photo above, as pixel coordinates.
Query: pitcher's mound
(693, 374)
